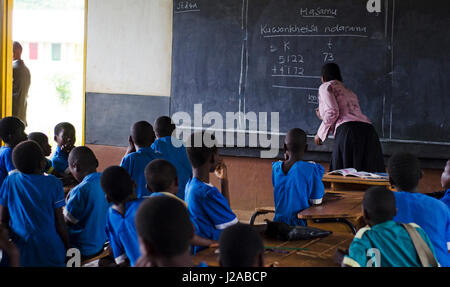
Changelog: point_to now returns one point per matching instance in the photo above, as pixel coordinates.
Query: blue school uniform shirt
(446, 198)
(122, 233)
(209, 210)
(6, 163)
(173, 150)
(31, 200)
(387, 244)
(292, 192)
(430, 214)
(60, 160)
(87, 209)
(135, 164)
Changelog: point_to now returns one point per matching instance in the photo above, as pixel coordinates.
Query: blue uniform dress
(173, 150)
(429, 213)
(208, 208)
(6, 163)
(293, 192)
(446, 198)
(122, 233)
(60, 160)
(387, 244)
(87, 209)
(135, 164)
(31, 200)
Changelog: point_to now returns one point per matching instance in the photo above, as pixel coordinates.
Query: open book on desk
(360, 174)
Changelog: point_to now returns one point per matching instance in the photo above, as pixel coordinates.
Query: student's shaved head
(164, 224)
(84, 158)
(240, 246)
(38, 137)
(42, 141)
(379, 204)
(295, 141)
(27, 157)
(143, 134)
(116, 184)
(404, 171)
(159, 175)
(164, 127)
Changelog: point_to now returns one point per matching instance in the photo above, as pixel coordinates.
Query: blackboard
(266, 56)
(421, 71)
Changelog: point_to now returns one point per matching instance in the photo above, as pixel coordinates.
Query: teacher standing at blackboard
(356, 142)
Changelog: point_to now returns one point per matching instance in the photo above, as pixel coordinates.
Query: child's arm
(61, 228)
(9, 248)
(221, 173)
(201, 241)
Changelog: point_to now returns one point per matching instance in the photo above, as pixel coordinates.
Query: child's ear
(306, 147)
(421, 174)
(96, 163)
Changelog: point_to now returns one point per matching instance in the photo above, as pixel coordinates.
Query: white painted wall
(129, 47)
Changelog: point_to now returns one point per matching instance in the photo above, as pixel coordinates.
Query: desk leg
(336, 220)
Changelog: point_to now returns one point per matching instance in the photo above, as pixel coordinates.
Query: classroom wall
(128, 66)
(250, 178)
(129, 47)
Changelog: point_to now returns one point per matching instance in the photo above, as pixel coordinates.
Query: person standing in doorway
(21, 84)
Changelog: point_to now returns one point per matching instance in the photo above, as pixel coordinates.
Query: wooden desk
(339, 182)
(337, 207)
(310, 253)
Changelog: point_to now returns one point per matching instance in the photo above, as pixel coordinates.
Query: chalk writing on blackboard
(187, 6)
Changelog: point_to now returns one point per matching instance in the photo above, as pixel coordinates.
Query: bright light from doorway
(51, 33)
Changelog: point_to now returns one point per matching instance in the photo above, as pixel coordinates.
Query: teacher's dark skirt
(357, 146)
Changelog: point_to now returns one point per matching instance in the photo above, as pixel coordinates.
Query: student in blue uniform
(296, 184)
(209, 208)
(161, 178)
(9, 254)
(120, 227)
(413, 207)
(173, 150)
(42, 140)
(86, 209)
(31, 204)
(65, 138)
(241, 246)
(139, 154)
(445, 182)
(165, 232)
(383, 243)
(12, 132)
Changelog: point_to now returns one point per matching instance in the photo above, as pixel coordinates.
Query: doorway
(52, 36)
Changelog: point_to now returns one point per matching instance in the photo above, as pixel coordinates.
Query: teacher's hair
(330, 72)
